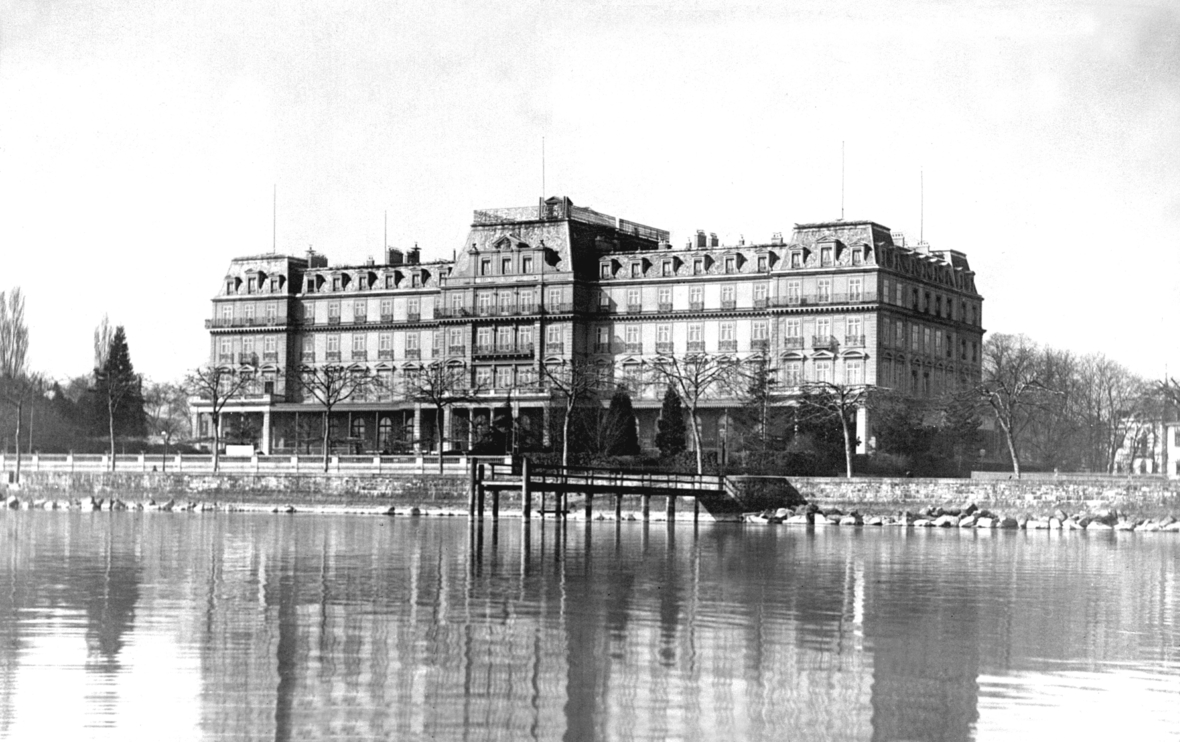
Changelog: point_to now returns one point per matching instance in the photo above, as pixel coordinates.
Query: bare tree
(1013, 386)
(216, 385)
(824, 399)
(442, 387)
(167, 411)
(331, 385)
(103, 335)
(14, 334)
(574, 382)
(695, 378)
(1117, 396)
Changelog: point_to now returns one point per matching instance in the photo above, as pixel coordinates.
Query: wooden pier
(490, 481)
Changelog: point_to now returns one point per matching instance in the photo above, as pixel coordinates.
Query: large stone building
(845, 302)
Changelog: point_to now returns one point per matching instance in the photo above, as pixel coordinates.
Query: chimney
(394, 256)
(702, 240)
(413, 255)
(777, 238)
(713, 241)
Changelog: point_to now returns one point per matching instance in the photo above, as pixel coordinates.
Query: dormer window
(636, 270)
(335, 283)
(526, 264)
(698, 266)
(506, 266)
(485, 266)
(229, 286)
(415, 280)
(667, 268)
(857, 256)
(310, 285)
(730, 264)
(604, 270)
(251, 285)
(797, 259)
(762, 263)
(825, 256)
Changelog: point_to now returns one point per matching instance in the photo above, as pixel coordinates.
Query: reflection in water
(310, 627)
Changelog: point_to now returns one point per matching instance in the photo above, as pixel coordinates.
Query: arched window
(385, 434)
(358, 428)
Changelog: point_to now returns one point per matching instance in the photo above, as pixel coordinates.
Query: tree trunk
(438, 421)
(327, 430)
(216, 423)
(565, 436)
(847, 446)
(1012, 450)
(19, 407)
(164, 458)
(696, 439)
(111, 427)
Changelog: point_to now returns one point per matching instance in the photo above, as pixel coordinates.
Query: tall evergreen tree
(671, 433)
(624, 439)
(118, 393)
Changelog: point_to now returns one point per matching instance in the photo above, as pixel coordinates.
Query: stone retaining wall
(1009, 495)
(342, 490)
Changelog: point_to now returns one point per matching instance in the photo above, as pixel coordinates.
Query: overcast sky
(140, 142)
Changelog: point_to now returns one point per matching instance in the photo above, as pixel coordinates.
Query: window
(455, 337)
(604, 270)
(485, 300)
(389, 282)
(762, 263)
(526, 376)
(505, 266)
(485, 266)
(962, 349)
(483, 376)
(825, 256)
(359, 342)
(760, 330)
(632, 335)
(387, 308)
(823, 328)
(938, 305)
(333, 343)
(483, 337)
(504, 338)
(310, 285)
(665, 297)
(413, 308)
(524, 338)
(696, 297)
(854, 370)
(554, 298)
(227, 346)
(336, 283)
(602, 335)
(526, 302)
(926, 340)
(696, 332)
(360, 309)
(248, 311)
(503, 377)
(385, 342)
(794, 292)
(333, 311)
(887, 332)
(227, 312)
(728, 297)
(854, 331)
(270, 344)
(229, 285)
(914, 300)
(603, 301)
(897, 294)
(796, 260)
(636, 270)
(632, 299)
(526, 264)
(794, 328)
(974, 352)
(553, 335)
(855, 289)
(272, 311)
(728, 332)
(823, 371)
(667, 268)
(730, 265)
(915, 338)
(926, 302)
(760, 291)
(856, 256)
(309, 347)
(793, 373)
(507, 301)
(698, 266)
(415, 280)
(888, 287)
(823, 290)
(664, 334)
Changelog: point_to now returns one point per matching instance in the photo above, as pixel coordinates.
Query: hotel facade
(845, 302)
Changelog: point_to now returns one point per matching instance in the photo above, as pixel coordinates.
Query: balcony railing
(385, 355)
(634, 308)
(452, 312)
(560, 308)
(793, 342)
(665, 306)
(334, 319)
(854, 341)
(248, 359)
(270, 356)
(664, 348)
(360, 355)
(387, 318)
(696, 346)
(308, 356)
(414, 354)
(696, 306)
(504, 349)
(634, 349)
(602, 347)
(555, 347)
(360, 318)
(760, 303)
(242, 322)
(727, 346)
(456, 350)
(225, 358)
(332, 355)
(826, 342)
(825, 298)
(413, 316)
(729, 304)
(759, 344)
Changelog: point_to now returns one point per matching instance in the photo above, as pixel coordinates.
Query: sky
(143, 145)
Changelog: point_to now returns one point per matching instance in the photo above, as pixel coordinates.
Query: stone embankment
(968, 516)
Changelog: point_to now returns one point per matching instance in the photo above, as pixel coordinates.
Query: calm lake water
(249, 626)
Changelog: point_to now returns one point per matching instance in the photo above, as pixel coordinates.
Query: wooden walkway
(529, 481)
